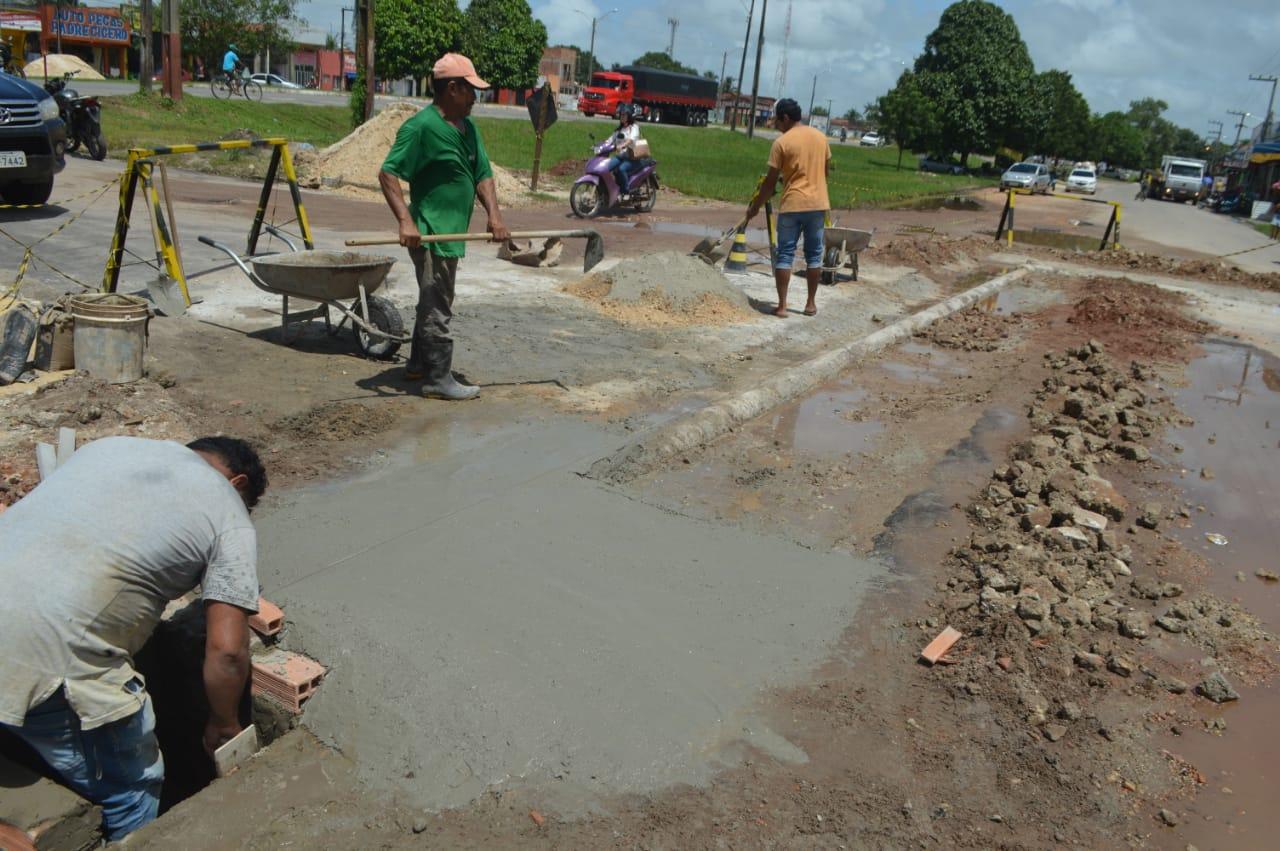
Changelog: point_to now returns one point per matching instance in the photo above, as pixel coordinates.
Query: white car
(274, 80)
(1083, 180)
(871, 140)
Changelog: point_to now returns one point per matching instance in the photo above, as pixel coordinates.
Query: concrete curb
(721, 417)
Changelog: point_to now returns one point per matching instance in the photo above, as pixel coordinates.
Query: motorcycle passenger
(624, 138)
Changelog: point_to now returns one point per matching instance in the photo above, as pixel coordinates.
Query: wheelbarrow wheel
(383, 316)
(830, 263)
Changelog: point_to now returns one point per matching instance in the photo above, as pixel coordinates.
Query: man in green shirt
(439, 153)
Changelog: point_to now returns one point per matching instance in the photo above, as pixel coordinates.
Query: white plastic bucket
(110, 336)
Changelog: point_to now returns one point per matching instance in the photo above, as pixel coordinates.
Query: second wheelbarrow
(329, 278)
(841, 251)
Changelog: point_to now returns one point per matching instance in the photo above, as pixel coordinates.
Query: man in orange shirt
(802, 158)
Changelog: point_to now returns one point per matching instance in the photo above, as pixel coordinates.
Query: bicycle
(225, 85)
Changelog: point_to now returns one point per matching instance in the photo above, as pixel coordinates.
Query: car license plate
(13, 159)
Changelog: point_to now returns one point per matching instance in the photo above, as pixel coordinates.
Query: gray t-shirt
(90, 558)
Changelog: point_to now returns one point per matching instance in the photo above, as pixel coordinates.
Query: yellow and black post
(166, 248)
(770, 226)
(128, 188)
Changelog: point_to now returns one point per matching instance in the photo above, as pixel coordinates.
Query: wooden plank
(66, 444)
(231, 755)
(46, 460)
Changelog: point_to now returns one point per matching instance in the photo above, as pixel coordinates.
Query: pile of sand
(59, 64)
(355, 160)
(664, 289)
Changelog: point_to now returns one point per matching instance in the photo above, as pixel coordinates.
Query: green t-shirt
(442, 166)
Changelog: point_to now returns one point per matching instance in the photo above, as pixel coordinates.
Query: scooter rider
(624, 138)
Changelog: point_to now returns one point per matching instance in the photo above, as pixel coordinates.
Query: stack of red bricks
(288, 677)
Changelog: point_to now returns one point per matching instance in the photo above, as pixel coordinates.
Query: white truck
(1179, 179)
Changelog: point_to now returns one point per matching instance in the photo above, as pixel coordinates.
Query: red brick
(269, 620)
(940, 645)
(288, 677)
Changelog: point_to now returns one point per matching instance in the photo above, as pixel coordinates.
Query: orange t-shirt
(800, 155)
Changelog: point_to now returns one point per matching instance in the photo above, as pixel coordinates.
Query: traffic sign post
(542, 112)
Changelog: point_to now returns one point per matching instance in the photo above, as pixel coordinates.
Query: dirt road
(722, 651)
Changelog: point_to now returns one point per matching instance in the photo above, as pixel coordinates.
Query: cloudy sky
(1197, 56)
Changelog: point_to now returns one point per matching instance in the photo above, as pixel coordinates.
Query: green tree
(1066, 130)
(977, 72)
(254, 26)
(410, 35)
(820, 110)
(853, 116)
(907, 114)
(663, 62)
(1113, 138)
(505, 41)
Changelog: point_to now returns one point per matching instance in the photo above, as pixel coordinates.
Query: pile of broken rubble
(1047, 584)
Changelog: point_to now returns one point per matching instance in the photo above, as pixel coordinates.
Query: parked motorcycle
(82, 115)
(598, 191)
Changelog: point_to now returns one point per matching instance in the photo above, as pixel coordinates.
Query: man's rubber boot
(440, 383)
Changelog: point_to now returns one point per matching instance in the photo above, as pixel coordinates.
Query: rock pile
(1046, 564)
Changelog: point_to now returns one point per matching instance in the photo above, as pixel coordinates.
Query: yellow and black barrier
(1110, 237)
(139, 168)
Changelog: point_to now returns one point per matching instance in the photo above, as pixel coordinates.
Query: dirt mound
(1211, 269)
(1140, 318)
(356, 159)
(923, 250)
(59, 64)
(972, 330)
(337, 421)
(664, 289)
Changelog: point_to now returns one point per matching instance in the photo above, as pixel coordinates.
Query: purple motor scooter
(598, 191)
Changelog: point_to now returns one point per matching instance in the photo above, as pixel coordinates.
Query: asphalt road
(1186, 226)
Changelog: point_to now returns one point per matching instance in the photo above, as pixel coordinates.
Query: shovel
(713, 250)
(591, 255)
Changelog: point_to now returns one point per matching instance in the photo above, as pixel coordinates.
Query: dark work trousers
(435, 305)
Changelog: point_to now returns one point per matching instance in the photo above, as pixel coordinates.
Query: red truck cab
(608, 91)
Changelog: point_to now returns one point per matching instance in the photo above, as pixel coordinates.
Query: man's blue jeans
(117, 766)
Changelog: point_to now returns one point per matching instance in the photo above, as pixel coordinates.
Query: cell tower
(671, 45)
(780, 79)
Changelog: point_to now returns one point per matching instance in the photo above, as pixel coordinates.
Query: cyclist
(232, 66)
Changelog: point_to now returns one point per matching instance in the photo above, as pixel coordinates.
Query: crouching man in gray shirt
(88, 561)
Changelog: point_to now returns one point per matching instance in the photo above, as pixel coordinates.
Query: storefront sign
(101, 25)
(21, 21)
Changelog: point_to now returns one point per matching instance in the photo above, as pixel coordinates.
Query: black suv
(33, 141)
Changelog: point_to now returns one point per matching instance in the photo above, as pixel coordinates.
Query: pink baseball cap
(455, 65)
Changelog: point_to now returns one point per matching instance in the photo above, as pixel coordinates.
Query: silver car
(1033, 177)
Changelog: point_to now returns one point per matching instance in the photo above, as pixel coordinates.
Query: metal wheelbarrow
(841, 250)
(328, 278)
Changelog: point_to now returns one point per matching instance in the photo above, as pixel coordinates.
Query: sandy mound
(356, 159)
(59, 64)
(923, 250)
(1211, 269)
(664, 289)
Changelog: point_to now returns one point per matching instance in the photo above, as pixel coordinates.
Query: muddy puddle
(1230, 464)
(940, 202)
(1057, 239)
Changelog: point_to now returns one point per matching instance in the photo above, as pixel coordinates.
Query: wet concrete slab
(1230, 464)
(489, 619)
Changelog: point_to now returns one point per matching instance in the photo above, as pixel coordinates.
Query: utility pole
(1240, 126)
(342, 52)
(146, 60)
(812, 93)
(742, 68)
(1219, 125)
(171, 47)
(671, 45)
(1267, 122)
(591, 67)
(755, 80)
(364, 52)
